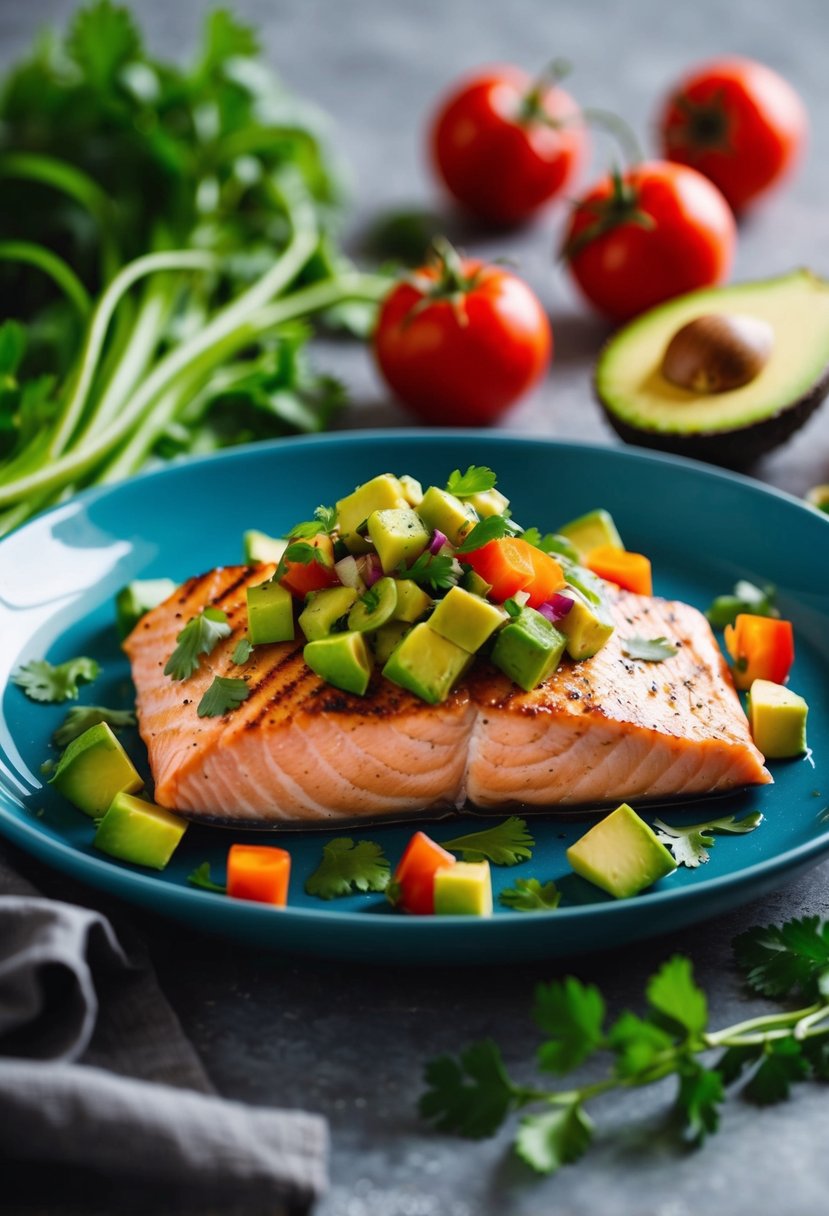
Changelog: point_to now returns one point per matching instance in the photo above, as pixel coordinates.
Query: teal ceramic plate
(701, 528)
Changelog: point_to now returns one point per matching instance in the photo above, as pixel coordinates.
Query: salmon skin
(299, 751)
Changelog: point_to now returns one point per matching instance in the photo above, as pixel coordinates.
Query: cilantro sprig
(200, 877)
(45, 682)
(650, 650)
(746, 597)
(81, 717)
(530, 895)
(225, 694)
(325, 520)
(690, 844)
(476, 480)
(199, 636)
(473, 1094)
(347, 867)
(299, 551)
(436, 571)
(505, 844)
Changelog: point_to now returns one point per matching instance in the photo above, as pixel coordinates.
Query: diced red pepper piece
(762, 649)
(300, 578)
(258, 872)
(413, 885)
(631, 571)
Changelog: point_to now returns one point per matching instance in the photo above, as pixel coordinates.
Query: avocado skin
(736, 449)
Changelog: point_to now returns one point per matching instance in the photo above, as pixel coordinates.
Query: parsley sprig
(199, 636)
(43, 681)
(472, 1094)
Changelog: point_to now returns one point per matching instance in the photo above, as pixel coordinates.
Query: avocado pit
(717, 352)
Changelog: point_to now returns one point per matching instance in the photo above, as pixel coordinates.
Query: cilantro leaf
(698, 1099)
(528, 895)
(242, 651)
(370, 599)
(572, 1014)
(690, 845)
(471, 1095)
(555, 1138)
(41, 681)
(438, 571)
(651, 650)
(782, 1064)
(81, 717)
(491, 528)
(505, 844)
(325, 520)
(673, 994)
(199, 636)
(200, 877)
(476, 480)
(758, 601)
(348, 867)
(637, 1044)
(779, 959)
(225, 694)
(302, 553)
(101, 41)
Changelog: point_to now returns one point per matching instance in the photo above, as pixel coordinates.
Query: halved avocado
(736, 427)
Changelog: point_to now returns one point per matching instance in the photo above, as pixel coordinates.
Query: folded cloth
(99, 1084)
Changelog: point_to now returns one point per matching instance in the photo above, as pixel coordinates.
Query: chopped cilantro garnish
(651, 650)
(242, 651)
(41, 681)
(491, 528)
(347, 867)
(757, 601)
(529, 895)
(302, 553)
(505, 844)
(370, 599)
(437, 571)
(82, 717)
(200, 877)
(325, 520)
(223, 695)
(476, 480)
(690, 845)
(199, 636)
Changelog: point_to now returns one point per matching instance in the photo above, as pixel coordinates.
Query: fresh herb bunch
(167, 232)
(473, 1094)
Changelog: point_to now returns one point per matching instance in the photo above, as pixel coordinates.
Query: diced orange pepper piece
(413, 885)
(632, 571)
(762, 649)
(300, 578)
(258, 872)
(548, 576)
(504, 565)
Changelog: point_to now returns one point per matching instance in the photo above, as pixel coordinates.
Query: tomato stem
(532, 103)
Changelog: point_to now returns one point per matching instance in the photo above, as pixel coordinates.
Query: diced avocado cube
(342, 659)
(778, 720)
(445, 513)
(259, 547)
(93, 769)
(591, 531)
(399, 536)
(464, 889)
(412, 490)
(324, 609)
(528, 649)
(587, 627)
(412, 601)
(474, 583)
(138, 831)
(621, 854)
(427, 664)
(137, 598)
(376, 607)
(466, 619)
(488, 502)
(270, 613)
(380, 494)
(385, 639)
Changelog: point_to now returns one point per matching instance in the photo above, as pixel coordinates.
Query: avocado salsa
(418, 583)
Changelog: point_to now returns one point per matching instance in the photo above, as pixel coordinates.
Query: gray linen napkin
(102, 1092)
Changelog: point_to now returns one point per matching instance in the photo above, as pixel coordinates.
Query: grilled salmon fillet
(607, 728)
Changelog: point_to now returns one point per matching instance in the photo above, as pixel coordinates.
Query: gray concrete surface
(349, 1041)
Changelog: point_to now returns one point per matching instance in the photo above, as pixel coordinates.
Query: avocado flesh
(466, 619)
(591, 531)
(427, 664)
(732, 428)
(778, 720)
(587, 627)
(412, 601)
(93, 769)
(445, 513)
(343, 659)
(464, 889)
(323, 610)
(270, 613)
(528, 649)
(399, 535)
(140, 832)
(381, 493)
(259, 547)
(621, 854)
(138, 598)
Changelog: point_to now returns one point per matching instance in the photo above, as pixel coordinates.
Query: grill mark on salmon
(608, 728)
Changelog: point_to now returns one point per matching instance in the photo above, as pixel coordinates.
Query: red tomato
(739, 123)
(505, 145)
(658, 231)
(459, 341)
(762, 648)
(413, 887)
(302, 577)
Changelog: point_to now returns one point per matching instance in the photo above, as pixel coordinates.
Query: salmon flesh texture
(299, 750)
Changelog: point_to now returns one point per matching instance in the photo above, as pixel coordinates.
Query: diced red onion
(370, 568)
(556, 608)
(521, 598)
(348, 572)
(437, 542)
